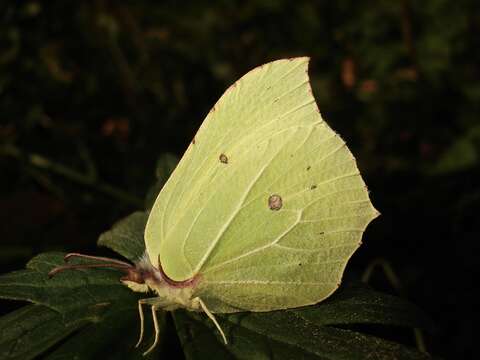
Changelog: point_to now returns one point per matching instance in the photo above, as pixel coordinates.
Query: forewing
(294, 256)
(266, 202)
(182, 227)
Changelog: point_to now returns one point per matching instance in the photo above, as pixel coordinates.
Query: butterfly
(262, 212)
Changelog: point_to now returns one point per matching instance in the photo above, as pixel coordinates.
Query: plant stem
(44, 163)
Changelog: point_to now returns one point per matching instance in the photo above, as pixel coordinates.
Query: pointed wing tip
(375, 212)
(282, 61)
(298, 59)
(279, 63)
(302, 58)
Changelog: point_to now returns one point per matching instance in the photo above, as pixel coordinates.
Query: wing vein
(274, 282)
(237, 210)
(289, 248)
(289, 169)
(240, 143)
(248, 253)
(249, 149)
(230, 219)
(329, 218)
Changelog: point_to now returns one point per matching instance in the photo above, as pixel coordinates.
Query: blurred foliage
(92, 92)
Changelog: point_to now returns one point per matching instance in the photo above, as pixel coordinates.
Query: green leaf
(355, 303)
(77, 294)
(31, 330)
(113, 338)
(89, 314)
(91, 301)
(463, 154)
(306, 333)
(126, 236)
(166, 163)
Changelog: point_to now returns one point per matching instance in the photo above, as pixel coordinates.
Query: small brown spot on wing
(193, 141)
(275, 202)
(223, 159)
(313, 187)
(308, 167)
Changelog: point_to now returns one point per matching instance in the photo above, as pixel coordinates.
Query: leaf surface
(126, 236)
(31, 330)
(86, 314)
(307, 333)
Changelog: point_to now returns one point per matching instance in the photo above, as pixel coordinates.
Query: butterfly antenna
(210, 315)
(105, 263)
(96, 258)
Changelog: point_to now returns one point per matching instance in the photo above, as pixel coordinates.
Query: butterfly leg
(154, 303)
(211, 316)
(142, 322)
(157, 330)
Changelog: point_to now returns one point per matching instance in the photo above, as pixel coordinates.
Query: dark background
(92, 93)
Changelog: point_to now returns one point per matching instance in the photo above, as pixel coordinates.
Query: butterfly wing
(267, 204)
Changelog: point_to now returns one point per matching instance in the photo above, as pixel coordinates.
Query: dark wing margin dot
(275, 202)
(223, 159)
